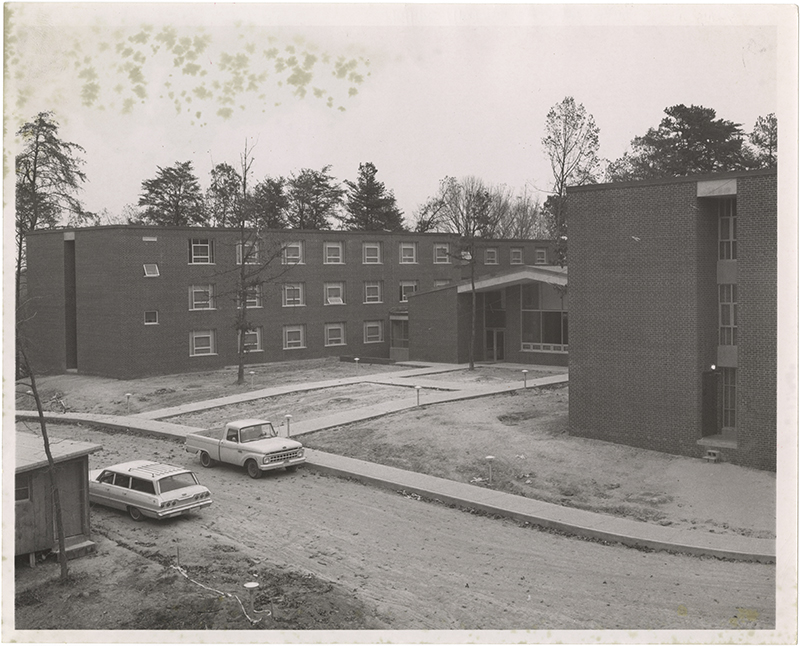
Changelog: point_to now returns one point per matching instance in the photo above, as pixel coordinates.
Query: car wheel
(252, 469)
(136, 514)
(205, 460)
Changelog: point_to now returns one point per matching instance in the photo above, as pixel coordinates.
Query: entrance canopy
(550, 274)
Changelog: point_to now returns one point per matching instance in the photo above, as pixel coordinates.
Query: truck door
(229, 449)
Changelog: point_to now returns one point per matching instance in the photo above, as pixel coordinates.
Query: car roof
(146, 469)
(244, 423)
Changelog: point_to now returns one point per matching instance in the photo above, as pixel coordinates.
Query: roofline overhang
(528, 274)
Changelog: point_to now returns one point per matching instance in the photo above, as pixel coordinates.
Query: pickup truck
(250, 443)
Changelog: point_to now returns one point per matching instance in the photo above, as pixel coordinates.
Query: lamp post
(128, 402)
(288, 425)
(489, 459)
(525, 378)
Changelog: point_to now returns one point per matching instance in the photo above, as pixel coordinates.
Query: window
(250, 255)
(294, 336)
(145, 486)
(151, 317)
(252, 340)
(727, 315)
(373, 331)
(543, 319)
(202, 342)
(408, 253)
(334, 294)
(727, 229)
(334, 334)
(372, 253)
(294, 294)
(373, 291)
(293, 253)
(490, 256)
(728, 397)
(123, 481)
(541, 256)
(334, 253)
(201, 297)
(22, 487)
(151, 270)
(441, 253)
(441, 282)
(149, 239)
(516, 256)
(253, 297)
(201, 251)
(407, 287)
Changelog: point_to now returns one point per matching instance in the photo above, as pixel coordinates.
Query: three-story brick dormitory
(673, 308)
(129, 301)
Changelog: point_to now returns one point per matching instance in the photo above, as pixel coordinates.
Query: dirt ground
(333, 554)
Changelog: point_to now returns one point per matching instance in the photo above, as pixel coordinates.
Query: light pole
(525, 378)
(288, 425)
(489, 459)
(128, 402)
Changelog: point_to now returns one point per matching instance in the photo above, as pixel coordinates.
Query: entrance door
(495, 345)
(71, 492)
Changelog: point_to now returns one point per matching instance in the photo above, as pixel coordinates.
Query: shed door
(71, 489)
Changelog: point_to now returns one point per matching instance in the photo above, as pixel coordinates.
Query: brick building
(673, 307)
(128, 301)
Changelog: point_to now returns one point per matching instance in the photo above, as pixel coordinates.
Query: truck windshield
(253, 433)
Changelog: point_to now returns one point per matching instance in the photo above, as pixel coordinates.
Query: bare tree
(571, 142)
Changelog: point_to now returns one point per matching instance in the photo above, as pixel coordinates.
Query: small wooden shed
(34, 514)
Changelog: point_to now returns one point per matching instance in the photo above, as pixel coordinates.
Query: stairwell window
(728, 315)
(202, 342)
(727, 229)
(728, 398)
(201, 251)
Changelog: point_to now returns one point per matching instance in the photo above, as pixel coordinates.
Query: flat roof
(29, 451)
(671, 180)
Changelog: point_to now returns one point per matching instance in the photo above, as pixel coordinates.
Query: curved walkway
(566, 519)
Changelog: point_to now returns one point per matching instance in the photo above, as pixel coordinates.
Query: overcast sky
(427, 91)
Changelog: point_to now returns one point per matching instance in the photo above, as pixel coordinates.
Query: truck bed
(213, 433)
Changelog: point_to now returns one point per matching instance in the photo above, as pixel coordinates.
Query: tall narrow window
(728, 315)
(727, 229)
(728, 397)
(201, 251)
(543, 319)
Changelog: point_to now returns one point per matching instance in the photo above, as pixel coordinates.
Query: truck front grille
(284, 455)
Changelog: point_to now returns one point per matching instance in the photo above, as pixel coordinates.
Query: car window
(145, 486)
(178, 481)
(122, 481)
(107, 477)
(232, 436)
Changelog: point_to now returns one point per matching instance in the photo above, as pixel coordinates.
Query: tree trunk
(474, 312)
(51, 470)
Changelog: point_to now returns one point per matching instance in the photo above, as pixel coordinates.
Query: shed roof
(30, 451)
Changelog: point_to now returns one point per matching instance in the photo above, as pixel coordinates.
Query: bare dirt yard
(329, 553)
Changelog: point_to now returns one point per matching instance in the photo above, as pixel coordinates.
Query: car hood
(272, 444)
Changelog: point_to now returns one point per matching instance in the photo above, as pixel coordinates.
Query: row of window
(204, 342)
(202, 297)
(201, 252)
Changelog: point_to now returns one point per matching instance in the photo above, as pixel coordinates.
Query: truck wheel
(134, 513)
(205, 460)
(252, 469)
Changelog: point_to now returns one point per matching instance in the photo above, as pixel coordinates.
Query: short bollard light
(252, 377)
(128, 402)
(288, 425)
(356, 360)
(490, 459)
(251, 588)
(418, 388)
(525, 377)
